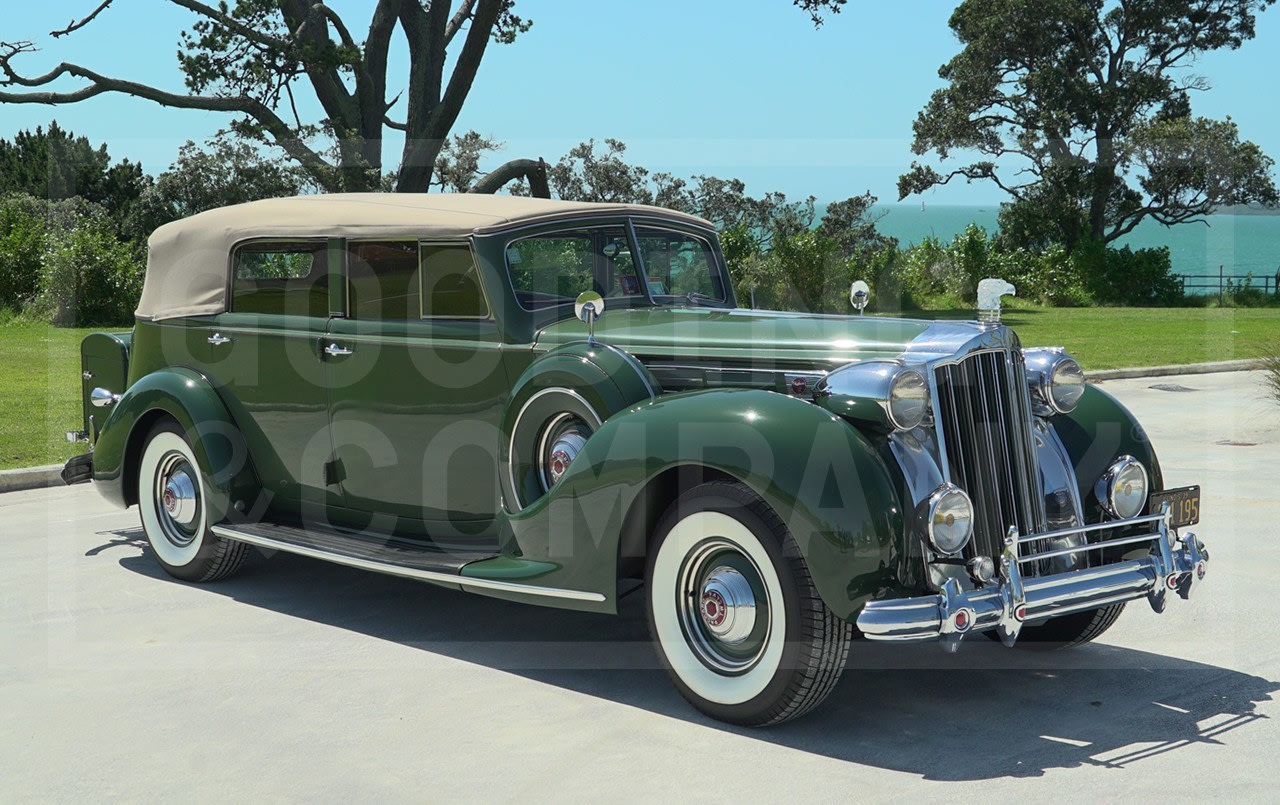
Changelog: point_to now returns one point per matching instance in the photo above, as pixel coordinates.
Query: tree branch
(533, 170)
(75, 26)
(284, 136)
(459, 19)
(231, 23)
(464, 72)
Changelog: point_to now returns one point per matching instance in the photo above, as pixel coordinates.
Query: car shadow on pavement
(984, 713)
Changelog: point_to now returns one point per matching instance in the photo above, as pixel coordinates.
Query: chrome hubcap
(728, 605)
(563, 452)
(562, 440)
(177, 499)
(723, 606)
(180, 498)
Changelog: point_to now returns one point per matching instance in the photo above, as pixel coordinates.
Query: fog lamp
(948, 519)
(1122, 489)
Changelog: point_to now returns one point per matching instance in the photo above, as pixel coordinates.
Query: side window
(281, 278)
(554, 268)
(678, 264)
(382, 280)
(451, 283)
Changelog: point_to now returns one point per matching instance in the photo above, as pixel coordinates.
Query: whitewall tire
(171, 503)
(733, 612)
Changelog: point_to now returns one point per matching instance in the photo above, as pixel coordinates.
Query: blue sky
(742, 88)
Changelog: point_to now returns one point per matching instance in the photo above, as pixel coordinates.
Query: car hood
(761, 338)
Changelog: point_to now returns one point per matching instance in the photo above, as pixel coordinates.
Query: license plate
(1184, 503)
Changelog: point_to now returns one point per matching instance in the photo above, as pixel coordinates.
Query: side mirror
(588, 307)
(859, 296)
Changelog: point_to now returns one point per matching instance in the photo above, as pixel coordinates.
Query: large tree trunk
(1104, 181)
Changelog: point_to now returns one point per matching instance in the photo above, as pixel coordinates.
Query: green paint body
(283, 433)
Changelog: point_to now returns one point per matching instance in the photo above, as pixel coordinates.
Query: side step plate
(389, 557)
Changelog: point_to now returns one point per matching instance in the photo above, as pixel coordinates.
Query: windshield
(678, 266)
(553, 268)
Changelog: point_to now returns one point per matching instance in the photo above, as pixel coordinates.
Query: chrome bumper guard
(1174, 564)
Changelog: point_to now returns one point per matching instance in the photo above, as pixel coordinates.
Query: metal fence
(1223, 283)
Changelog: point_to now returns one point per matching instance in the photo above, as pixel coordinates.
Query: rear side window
(288, 278)
(451, 283)
(382, 279)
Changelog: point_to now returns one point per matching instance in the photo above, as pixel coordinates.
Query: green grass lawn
(1111, 338)
(40, 370)
(39, 393)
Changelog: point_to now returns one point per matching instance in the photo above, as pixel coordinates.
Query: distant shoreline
(1237, 241)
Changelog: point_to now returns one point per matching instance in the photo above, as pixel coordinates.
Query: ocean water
(1238, 244)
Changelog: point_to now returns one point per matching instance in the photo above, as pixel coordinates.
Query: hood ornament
(989, 292)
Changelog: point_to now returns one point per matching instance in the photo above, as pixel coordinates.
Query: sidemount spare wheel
(733, 611)
(555, 407)
(171, 502)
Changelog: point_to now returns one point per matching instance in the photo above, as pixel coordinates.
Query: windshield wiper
(694, 297)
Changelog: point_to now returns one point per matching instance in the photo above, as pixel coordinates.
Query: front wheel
(171, 502)
(733, 611)
(1067, 631)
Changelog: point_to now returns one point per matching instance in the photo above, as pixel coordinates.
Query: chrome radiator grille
(983, 414)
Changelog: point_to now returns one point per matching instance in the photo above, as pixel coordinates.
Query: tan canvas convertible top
(187, 260)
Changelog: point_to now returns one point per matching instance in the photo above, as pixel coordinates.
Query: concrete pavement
(302, 680)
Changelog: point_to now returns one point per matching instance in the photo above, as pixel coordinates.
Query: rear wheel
(733, 611)
(171, 503)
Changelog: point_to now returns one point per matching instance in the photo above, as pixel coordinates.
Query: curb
(30, 478)
(1185, 369)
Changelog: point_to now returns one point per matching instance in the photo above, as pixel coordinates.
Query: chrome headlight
(948, 519)
(908, 399)
(883, 393)
(1122, 489)
(1056, 379)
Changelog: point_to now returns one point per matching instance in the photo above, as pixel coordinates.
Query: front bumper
(1173, 564)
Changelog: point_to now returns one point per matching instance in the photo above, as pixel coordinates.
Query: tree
(248, 59)
(1080, 110)
(57, 165)
(228, 171)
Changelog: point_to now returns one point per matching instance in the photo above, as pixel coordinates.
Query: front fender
(1098, 431)
(823, 478)
(219, 447)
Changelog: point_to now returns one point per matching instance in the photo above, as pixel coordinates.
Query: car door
(264, 357)
(416, 385)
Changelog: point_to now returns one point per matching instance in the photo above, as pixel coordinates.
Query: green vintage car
(558, 403)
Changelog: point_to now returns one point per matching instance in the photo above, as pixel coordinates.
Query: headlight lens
(948, 519)
(908, 399)
(1056, 379)
(1066, 385)
(1122, 489)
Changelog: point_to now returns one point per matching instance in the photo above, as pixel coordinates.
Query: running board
(389, 557)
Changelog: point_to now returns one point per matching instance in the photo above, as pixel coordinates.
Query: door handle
(333, 350)
(218, 339)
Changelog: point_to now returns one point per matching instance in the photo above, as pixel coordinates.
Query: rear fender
(822, 477)
(185, 396)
